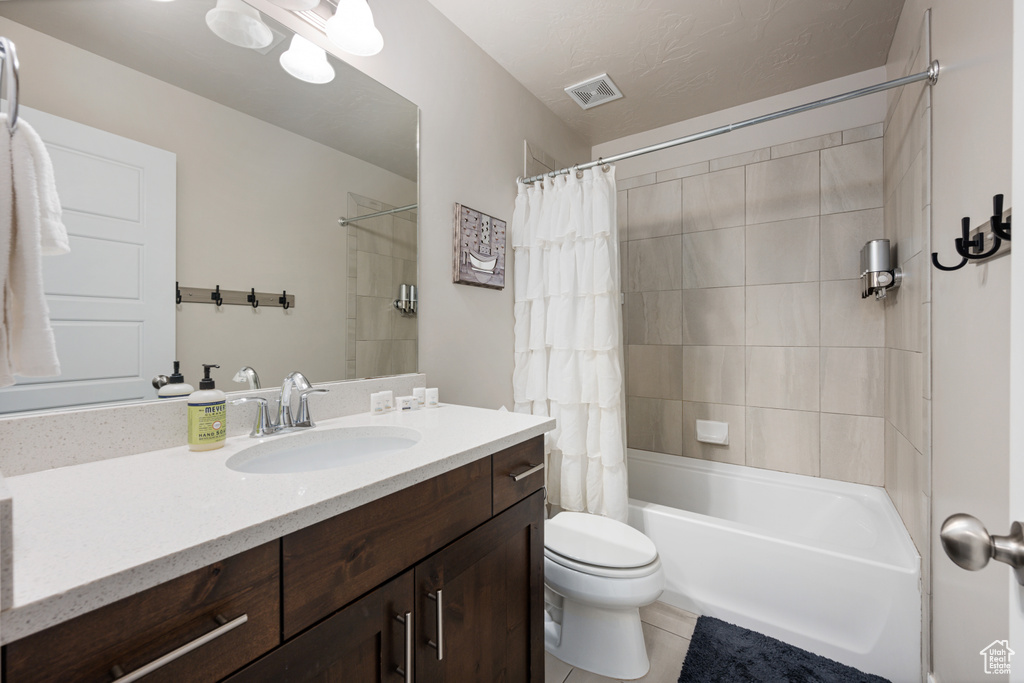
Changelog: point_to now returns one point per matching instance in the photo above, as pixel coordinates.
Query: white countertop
(88, 535)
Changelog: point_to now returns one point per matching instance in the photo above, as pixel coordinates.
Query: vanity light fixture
(296, 5)
(352, 29)
(239, 24)
(306, 61)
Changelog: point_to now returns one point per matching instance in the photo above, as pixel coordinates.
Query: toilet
(598, 573)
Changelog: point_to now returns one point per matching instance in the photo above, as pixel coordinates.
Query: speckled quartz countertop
(91, 534)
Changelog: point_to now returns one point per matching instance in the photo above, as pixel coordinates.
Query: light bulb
(352, 29)
(306, 61)
(239, 24)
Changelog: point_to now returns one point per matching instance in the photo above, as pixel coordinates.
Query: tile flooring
(667, 632)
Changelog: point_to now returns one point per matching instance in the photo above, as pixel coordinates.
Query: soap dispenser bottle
(207, 415)
(176, 386)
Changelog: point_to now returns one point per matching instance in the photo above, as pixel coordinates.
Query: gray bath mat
(723, 653)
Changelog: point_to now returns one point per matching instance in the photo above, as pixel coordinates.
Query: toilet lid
(598, 541)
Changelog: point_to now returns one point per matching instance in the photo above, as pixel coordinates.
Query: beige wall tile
(842, 236)
(654, 425)
(713, 317)
(655, 210)
(714, 374)
(783, 315)
(903, 394)
(655, 371)
(621, 214)
(373, 318)
(735, 416)
(853, 381)
(404, 246)
(783, 377)
(786, 251)
(853, 448)
(655, 264)
(404, 356)
(374, 274)
(904, 307)
(350, 339)
(783, 440)
(636, 181)
(863, 133)
(851, 177)
(741, 159)
(847, 319)
(714, 200)
(783, 188)
(654, 317)
(373, 358)
(807, 145)
(684, 171)
(713, 258)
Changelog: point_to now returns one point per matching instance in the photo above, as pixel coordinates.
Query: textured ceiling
(170, 41)
(674, 59)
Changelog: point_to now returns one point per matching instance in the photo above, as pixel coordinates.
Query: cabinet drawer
(136, 631)
(330, 564)
(514, 462)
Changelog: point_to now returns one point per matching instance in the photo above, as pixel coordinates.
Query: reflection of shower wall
(743, 305)
(382, 256)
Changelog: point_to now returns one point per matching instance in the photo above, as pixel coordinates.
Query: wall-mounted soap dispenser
(877, 276)
(407, 299)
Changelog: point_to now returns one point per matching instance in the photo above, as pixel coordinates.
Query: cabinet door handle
(439, 645)
(407, 670)
(524, 475)
(225, 626)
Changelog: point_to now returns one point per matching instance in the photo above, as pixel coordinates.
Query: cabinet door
(480, 601)
(362, 643)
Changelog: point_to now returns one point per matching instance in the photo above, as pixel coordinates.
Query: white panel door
(111, 299)
(1016, 629)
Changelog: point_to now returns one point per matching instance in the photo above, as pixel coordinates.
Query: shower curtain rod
(345, 221)
(931, 75)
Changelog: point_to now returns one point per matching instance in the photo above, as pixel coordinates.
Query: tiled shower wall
(907, 188)
(742, 304)
(381, 256)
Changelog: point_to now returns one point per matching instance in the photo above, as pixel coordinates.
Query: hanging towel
(30, 224)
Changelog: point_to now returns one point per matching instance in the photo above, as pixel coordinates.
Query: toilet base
(608, 642)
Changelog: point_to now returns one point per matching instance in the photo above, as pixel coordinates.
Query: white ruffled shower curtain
(568, 335)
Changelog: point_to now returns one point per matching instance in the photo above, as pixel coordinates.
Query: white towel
(33, 224)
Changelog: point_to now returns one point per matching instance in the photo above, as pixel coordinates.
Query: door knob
(971, 546)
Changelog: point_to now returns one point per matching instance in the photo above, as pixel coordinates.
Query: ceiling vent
(594, 91)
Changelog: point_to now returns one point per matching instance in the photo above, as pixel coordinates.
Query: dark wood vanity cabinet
(461, 554)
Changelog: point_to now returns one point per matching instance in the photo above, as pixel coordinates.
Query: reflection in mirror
(181, 158)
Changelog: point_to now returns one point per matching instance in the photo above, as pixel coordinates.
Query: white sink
(322, 449)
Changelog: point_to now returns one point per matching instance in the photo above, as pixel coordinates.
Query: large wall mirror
(182, 158)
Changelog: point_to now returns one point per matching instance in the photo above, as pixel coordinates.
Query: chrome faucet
(286, 422)
(247, 374)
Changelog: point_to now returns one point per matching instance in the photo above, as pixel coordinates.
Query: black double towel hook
(177, 292)
(252, 298)
(283, 299)
(215, 295)
(971, 248)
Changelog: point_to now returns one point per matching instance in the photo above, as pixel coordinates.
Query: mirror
(181, 158)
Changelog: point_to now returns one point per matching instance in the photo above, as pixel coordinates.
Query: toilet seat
(598, 541)
(607, 572)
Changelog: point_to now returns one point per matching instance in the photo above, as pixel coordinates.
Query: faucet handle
(262, 425)
(303, 419)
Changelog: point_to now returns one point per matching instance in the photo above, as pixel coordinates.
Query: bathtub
(824, 565)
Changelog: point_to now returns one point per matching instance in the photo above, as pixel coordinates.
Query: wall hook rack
(973, 248)
(231, 297)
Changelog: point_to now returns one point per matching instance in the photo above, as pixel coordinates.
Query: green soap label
(207, 422)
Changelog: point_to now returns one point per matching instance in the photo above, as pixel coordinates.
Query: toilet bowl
(598, 573)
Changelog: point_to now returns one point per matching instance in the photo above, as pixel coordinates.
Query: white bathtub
(827, 566)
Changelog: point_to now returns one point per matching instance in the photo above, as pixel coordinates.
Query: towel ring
(9, 80)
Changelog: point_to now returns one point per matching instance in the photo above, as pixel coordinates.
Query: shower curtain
(568, 335)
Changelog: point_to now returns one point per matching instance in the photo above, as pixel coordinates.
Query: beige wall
(474, 118)
(243, 220)
(971, 133)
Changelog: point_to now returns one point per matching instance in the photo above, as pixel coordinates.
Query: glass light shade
(296, 5)
(306, 61)
(239, 24)
(351, 28)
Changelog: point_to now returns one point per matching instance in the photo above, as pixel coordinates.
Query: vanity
(421, 565)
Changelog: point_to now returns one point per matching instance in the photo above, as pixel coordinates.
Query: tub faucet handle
(969, 544)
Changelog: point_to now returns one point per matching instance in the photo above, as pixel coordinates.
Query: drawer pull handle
(439, 645)
(224, 627)
(407, 670)
(524, 475)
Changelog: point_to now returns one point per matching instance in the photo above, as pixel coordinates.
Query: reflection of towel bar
(230, 297)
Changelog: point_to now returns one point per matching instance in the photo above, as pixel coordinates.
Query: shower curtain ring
(604, 167)
(579, 173)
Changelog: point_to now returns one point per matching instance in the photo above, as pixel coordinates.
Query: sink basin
(322, 450)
